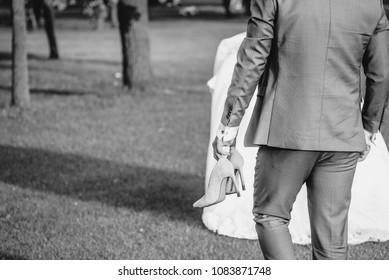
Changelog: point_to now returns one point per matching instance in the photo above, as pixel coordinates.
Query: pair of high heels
(224, 180)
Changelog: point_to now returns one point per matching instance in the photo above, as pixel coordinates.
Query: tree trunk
(30, 18)
(246, 4)
(48, 15)
(133, 27)
(37, 9)
(113, 13)
(20, 90)
(226, 4)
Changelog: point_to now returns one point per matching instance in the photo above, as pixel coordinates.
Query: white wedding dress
(369, 210)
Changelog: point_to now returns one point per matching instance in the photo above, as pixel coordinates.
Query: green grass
(93, 172)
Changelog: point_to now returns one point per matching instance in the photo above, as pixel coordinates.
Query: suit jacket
(306, 56)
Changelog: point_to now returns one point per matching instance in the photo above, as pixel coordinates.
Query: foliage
(95, 9)
(58, 5)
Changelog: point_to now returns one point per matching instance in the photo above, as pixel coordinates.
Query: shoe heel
(230, 188)
(235, 183)
(237, 162)
(239, 172)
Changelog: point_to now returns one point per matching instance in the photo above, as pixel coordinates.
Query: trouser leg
(274, 237)
(279, 176)
(329, 195)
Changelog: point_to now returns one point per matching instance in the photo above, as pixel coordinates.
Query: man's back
(324, 38)
(311, 85)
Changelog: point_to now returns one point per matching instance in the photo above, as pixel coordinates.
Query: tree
(46, 8)
(30, 18)
(226, 4)
(133, 27)
(246, 4)
(96, 10)
(48, 15)
(20, 96)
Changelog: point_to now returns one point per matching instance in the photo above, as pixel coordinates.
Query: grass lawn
(92, 172)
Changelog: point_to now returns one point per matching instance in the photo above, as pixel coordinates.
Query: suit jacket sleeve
(251, 61)
(376, 67)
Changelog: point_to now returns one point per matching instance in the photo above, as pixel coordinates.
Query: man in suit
(306, 57)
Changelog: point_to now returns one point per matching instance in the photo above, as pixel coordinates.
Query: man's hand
(363, 155)
(225, 138)
(221, 148)
(370, 138)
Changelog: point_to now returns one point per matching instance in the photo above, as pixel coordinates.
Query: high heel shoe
(237, 162)
(231, 188)
(216, 190)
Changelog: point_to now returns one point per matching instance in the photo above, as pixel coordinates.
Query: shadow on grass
(49, 91)
(95, 61)
(5, 256)
(8, 56)
(5, 56)
(142, 189)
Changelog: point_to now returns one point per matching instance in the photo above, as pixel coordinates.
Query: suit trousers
(279, 176)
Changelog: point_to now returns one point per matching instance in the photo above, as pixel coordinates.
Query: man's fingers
(214, 146)
(363, 155)
(229, 143)
(220, 148)
(216, 155)
(217, 148)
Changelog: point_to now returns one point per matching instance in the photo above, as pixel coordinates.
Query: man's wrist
(230, 133)
(227, 133)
